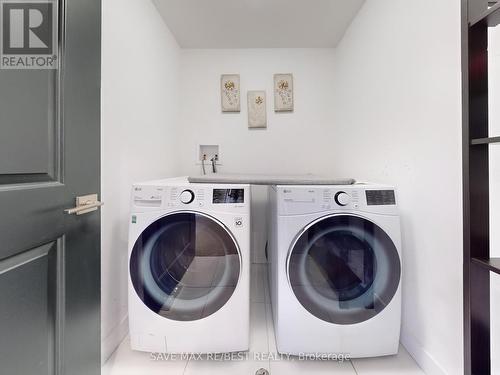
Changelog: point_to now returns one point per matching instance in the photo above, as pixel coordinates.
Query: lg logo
(29, 34)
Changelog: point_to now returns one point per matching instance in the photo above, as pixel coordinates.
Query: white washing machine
(335, 269)
(189, 278)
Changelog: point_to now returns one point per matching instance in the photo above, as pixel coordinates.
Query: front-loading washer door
(343, 269)
(185, 266)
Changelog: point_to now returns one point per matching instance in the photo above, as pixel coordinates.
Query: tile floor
(126, 362)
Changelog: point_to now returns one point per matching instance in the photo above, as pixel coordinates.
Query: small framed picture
(257, 117)
(230, 92)
(283, 92)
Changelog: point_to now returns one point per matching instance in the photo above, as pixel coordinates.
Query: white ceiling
(258, 23)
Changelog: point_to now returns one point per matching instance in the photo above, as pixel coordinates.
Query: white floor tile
(262, 345)
(262, 282)
(400, 364)
(296, 367)
(224, 367)
(267, 292)
(258, 281)
(270, 329)
(259, 342)
(125, 361)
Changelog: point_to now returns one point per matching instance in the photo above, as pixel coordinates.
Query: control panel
(190, 197)
(147, 196)
(301, 200)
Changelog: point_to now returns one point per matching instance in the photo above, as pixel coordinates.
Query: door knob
(84, 205)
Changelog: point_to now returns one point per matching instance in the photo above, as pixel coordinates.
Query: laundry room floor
(127, 362)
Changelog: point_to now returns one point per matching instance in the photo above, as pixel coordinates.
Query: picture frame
(257, 113)
(283, 93)
(230, 93)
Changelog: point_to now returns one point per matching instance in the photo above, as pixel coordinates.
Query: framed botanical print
(230, 92)
(283, 92)
(257, 117)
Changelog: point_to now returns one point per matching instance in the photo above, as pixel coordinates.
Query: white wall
(398, 120)
(140, 61)
(292, 143)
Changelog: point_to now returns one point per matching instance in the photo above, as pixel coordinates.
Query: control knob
(186, 197)
(342, 198)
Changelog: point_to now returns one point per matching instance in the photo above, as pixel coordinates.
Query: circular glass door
(185, 266)
(344, 269)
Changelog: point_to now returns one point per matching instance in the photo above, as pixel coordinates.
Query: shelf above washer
(490, 16)
(483, 141)
(492, 264)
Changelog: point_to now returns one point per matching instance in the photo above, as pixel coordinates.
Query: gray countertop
(263, 179)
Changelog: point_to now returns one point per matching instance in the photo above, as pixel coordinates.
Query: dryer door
(185, 266)
(344, 269)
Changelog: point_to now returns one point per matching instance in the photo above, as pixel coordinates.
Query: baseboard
(426, 362)
(113, 340)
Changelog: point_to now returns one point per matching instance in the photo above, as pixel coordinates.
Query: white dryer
(189, 248)
(335, 269)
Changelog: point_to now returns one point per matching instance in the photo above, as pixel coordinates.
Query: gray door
(49, 154)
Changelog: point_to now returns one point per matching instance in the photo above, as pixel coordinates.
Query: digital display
(380, 197)
(229, 196)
